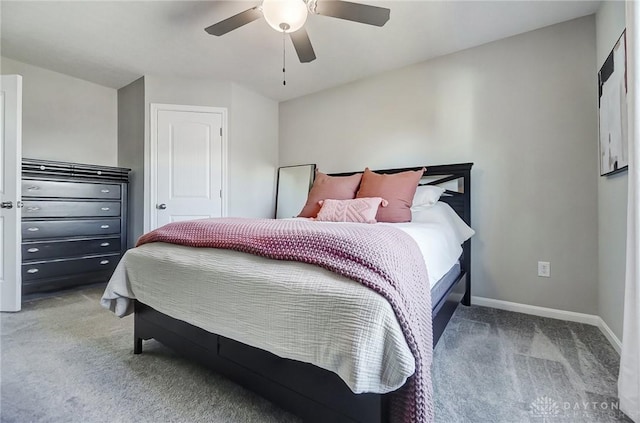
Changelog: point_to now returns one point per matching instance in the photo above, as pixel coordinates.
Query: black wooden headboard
(459, 200)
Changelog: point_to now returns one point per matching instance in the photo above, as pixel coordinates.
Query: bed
(308, 390)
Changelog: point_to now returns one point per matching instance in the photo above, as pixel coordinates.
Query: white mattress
(437, 244)
(294, 310)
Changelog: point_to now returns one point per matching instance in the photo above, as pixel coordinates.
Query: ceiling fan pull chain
(284, 72)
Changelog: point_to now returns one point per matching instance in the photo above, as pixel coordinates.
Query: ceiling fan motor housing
(285, 15)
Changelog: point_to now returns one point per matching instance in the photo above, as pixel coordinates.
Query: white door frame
(151, 157)
(11, 277)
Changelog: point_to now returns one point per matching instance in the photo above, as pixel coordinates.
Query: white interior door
(10, 191)
(189, 164)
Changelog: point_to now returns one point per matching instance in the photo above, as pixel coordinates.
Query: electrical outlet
(544, 269)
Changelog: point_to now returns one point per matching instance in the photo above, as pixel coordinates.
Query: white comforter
(294, 310)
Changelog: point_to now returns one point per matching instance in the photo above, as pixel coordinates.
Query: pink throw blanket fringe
(380, 257)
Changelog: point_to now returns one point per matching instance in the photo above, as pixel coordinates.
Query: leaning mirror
(292, 190)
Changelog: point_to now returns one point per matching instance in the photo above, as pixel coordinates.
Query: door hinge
(221, 131)
(220, 193)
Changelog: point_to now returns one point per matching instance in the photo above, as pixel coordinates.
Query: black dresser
(74, 223)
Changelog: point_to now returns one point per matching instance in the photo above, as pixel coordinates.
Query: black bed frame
(315, 394)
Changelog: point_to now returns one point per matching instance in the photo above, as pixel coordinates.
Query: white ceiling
(114, 43)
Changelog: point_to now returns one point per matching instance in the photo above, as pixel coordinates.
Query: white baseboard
(608, 333)
(553, 313)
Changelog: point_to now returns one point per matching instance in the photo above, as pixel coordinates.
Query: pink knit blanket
(380, 257)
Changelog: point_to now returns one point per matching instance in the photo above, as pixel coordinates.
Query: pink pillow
(361, 210)
(330, 187)
(397, 188)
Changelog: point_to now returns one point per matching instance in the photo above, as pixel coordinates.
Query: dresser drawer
(68, 228)
(34, 188)
(70, 209)
(47, 249)
(56, 268)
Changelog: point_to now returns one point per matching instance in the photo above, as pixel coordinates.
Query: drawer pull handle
(32, 209)
(33, 188)
(99, 172)
(34, 270)
(103, 262)
(104, 226)
(105, 208)
(33, 229)
(104, 191)
(42, 168)
(33, 250)
(105, 244)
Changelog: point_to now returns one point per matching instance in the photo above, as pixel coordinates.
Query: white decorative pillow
(360, 210)
(426, 196)
(441, 213)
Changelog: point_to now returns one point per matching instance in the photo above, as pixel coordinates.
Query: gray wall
(252, 142)
(131, 124)
(612, 194)
(253, 153)
(65, 118)
(524, 110)
(193, 92)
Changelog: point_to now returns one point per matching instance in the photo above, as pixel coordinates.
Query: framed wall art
(612, 110)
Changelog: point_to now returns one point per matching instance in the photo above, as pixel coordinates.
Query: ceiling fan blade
(236, 21)
(356, 12)
(303, 46)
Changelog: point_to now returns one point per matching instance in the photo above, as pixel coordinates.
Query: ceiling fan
(289, 16)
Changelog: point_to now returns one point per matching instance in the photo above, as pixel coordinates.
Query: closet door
(10, 191)
(188, 164)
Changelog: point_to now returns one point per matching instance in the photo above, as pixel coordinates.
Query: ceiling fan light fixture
(285, 15)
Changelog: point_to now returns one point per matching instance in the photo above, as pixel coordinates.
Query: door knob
(162, 206)
(6, 205)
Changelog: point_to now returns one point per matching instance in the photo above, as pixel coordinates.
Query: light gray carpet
(497, 366)
(65, 359)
